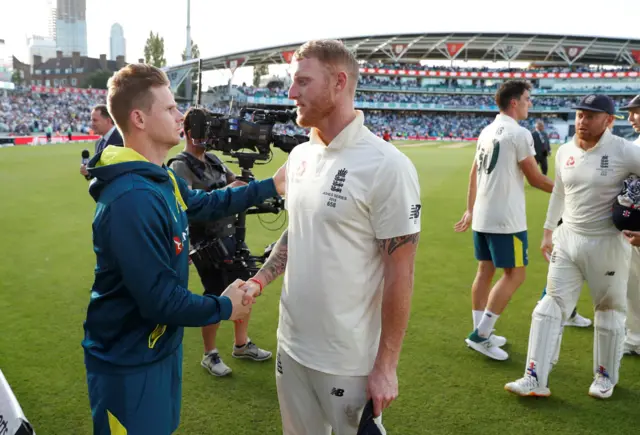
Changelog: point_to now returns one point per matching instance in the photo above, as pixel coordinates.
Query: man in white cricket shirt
(590, 170)
(354, 222)
(632, 338)
(496, 211)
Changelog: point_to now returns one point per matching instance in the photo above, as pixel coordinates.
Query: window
(68, 70)
(57, 70)
(47, 82)
(74, 82)
(47, 71)
(56, 82)
(79, 70)
(38, 72)
(63, 82)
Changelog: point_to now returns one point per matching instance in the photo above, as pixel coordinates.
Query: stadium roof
(541, 49)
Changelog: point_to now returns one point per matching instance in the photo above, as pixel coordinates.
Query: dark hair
(193, 113)
(104, 112)
(509, 90)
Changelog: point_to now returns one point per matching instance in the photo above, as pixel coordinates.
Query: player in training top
(505, 155)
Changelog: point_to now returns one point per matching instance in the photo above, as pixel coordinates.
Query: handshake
(242, 295)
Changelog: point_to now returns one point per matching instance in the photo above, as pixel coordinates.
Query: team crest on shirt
(604, 165)
(336, 188)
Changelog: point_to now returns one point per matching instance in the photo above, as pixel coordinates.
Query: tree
(195, 54)
(98, 79)
(258, 72)
(16, 77)
(154, 50)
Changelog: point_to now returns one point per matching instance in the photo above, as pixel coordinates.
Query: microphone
(85, 161)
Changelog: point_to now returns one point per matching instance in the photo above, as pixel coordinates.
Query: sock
(215, 350)
(238, 347)
(573, 314)
(477, 316)
(487, 323)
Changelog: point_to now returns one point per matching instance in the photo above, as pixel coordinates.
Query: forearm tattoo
(391, 245)
(277, 261)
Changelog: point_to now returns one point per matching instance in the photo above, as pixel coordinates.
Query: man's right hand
(83, 170)
(547, 244)
(234, 292)
(251, 291)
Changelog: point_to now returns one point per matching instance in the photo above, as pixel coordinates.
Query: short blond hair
(333, 54)
(130, 89)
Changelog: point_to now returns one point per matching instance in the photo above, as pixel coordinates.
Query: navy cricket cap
(367, 424)
(633, 104)
(596, 103)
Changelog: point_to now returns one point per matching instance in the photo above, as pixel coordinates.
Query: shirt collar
(348, 134)
(506, 118)
(108, 134)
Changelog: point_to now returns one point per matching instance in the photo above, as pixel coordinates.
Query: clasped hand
(242, 295)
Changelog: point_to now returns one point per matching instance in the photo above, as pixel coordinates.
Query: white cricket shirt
(500, 199)
(341, 198)
(588, 182)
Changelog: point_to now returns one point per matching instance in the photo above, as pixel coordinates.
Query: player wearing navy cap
(590, 170)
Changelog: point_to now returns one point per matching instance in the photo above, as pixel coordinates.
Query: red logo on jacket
(571, 161)
(178, 243)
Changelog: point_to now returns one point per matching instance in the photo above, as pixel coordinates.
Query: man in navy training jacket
(139, 300)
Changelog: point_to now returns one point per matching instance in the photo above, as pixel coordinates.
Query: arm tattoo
(392, 244)
(277, 261)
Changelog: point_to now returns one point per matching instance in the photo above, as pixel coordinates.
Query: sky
(223, 27)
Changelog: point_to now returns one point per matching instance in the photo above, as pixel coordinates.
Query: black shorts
(216, 279)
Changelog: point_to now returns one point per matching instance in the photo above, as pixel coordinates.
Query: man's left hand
(382, 387)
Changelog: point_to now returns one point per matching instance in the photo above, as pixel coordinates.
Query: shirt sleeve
(141, 245)
(556, 201)
(220, 203)
(395, 204)
(524, 145)
(182, 170)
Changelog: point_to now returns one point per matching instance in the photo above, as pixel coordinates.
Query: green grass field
(46, 272)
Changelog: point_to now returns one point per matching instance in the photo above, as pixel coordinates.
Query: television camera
(247, 140)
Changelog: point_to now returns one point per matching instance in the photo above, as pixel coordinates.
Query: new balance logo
(337, 392)
(415, 211)
(278, 364)
(604, 162)
(610, 273)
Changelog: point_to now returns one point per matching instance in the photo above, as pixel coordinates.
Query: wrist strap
(257, 281)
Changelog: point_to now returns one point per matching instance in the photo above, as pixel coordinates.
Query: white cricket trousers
(603, 261)
(633, 300)
(315, 403)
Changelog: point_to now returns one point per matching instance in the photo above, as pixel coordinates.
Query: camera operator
(213, 243)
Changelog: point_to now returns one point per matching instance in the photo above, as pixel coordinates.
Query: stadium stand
(399, 89)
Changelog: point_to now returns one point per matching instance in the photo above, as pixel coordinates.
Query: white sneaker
(497, 340)
(527, 386)
(214, 364)
(486, 347)
(602, 387)
(578, 321)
